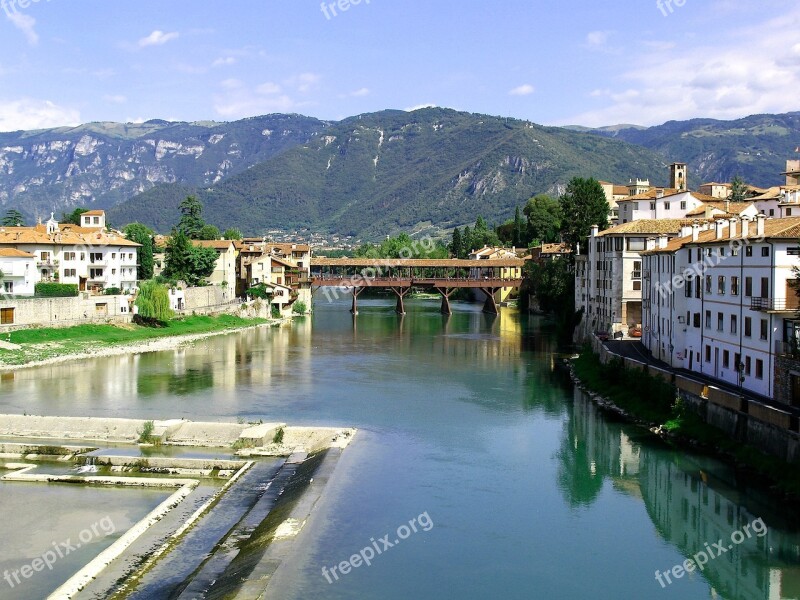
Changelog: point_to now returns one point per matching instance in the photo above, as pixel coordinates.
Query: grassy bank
(652, 401)
(47, 343)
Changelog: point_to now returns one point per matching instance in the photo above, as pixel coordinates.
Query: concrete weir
(244, 524)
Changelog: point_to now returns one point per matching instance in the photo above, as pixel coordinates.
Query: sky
(65, 62)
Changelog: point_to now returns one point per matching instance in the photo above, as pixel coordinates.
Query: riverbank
(651, 403)
(45, 346)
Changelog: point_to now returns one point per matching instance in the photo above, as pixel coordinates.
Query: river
(517, 487)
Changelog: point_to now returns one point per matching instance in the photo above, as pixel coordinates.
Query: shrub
(146, 435)
(112, 291)
(260, 291)
(299, 308)
(276, 312)
(278, 438)
(55, 290)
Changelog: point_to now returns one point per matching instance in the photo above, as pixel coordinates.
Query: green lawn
(44, 343)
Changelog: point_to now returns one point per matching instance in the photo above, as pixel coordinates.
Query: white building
(609, 273)
(92, 258)
(722, 302)
(17, 272)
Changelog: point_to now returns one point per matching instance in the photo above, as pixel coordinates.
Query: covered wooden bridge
(402, 274)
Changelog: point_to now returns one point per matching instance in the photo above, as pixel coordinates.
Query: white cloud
(522, 90)
(723, 80)
(115, 98)
(597, 38)
(27, 113)
(158, 38)
(25, 23)
(360, 93)
(225, 61)
(420, 107)
(304, 82)
(238, 100)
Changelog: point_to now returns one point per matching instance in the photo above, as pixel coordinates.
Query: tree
(209, 232)
(738, 190)
(482, 235)
(456, 244)
(467, 245)
(153, 301)
(143, 235)
(183, 260)
(518, 237)
(191, 222)
(583, 205)
(232, 234)
(74, 217)
(13, 218)
(544, 219)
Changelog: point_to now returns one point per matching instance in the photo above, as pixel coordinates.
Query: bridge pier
(446, 293)
(356, 292)
(400, 292)
(490, 306)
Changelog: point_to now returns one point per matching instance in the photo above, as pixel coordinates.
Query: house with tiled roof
(723, 209)
(93, 258)
(224, 274)
(723, 303)
(17, 272)
(609, 273)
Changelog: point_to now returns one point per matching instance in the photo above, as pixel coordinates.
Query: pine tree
(518, 234)
(456, 245)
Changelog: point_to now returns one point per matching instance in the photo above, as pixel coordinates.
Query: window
(688, 287)
(96, 257)
(764, 329)
(45, 257)
(69, 256)
(637, 269)
(747, 365)
(696, 320)
(720, 321)
(637, 286)
(652, 206)
(708, 353)
(96, 220)
(759, 369)
(8, 287)
(6, 316)
(788, 212)
(765, 287)
(734, 286)
(666, 205)
(113, 256)
(748, 287)
(726, 359)
(748, 251)
(70, 273)
(721, 285)
(737, 362)
(95, 273)
(708, 284)
(683, 205)
(708, 319)
(734, 324)
(793, 251)
(635, 206)
(748, 327)
(765, 251)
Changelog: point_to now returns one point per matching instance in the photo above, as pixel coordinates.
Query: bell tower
(678, 177)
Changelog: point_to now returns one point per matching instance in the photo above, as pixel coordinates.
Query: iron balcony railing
(774, 304)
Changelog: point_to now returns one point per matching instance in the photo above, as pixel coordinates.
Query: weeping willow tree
(153, 302)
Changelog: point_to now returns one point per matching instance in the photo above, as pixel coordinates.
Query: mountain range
(368, 175)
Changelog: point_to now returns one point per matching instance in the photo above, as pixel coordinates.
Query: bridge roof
(412, 262)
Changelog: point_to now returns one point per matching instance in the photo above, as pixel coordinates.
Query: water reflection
(690, 500)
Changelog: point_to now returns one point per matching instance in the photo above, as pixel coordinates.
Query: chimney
(732, 227)
(650, 244)
(745, 227)
(728, 206)
(662, 241)
(719, 227)
(760, 220)
(686, 231)
(595, 230)
(695, 232)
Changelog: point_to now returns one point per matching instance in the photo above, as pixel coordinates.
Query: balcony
(47, 264)
(789, 349)
(775, 304)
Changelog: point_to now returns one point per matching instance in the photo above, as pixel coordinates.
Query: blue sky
(64, 62)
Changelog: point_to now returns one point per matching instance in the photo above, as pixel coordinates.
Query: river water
(516, 485)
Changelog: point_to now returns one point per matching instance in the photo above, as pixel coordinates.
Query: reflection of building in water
(688, 506)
